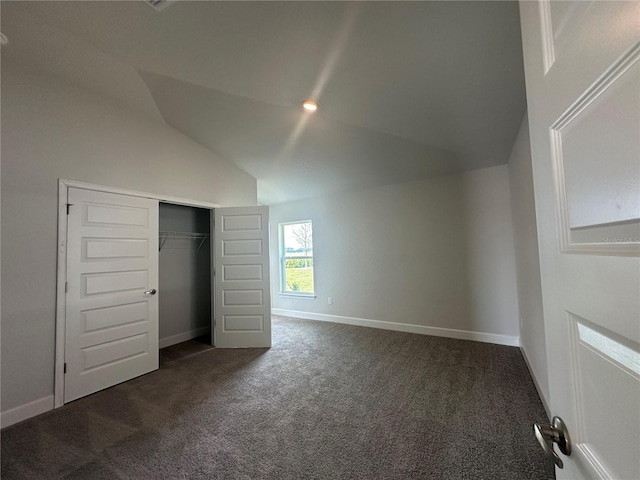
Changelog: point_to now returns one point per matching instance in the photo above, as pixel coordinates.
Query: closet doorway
(115, 307)
(184, 274)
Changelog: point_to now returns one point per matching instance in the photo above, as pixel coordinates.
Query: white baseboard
(535, 382)
(183, 337)
(404, 327)
(42, 405)
(25, 411)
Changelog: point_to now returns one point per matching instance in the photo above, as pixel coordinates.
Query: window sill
(306, 296)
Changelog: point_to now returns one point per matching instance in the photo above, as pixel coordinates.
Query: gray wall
(437, 252)
(50, 130)
(184, 274)
(532, 336)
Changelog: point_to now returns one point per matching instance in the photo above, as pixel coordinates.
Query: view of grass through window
(297, 257)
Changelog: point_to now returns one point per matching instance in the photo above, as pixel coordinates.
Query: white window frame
(283, 266)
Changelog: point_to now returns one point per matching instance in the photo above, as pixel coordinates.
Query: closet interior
(184, 274)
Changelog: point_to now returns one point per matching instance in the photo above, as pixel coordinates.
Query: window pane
(298, 257)
(298, 240)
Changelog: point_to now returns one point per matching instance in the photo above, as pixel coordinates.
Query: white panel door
(111, 323)
(582, 69)
(241, 293)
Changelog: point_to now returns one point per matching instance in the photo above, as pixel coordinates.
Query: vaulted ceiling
(406, 90)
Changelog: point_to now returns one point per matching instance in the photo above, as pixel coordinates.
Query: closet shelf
(185, 238)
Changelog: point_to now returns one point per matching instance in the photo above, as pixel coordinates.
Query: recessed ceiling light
(310, 106)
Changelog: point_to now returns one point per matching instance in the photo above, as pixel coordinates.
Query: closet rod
(164, 236)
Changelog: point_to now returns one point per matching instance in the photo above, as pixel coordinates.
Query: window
(296, 258)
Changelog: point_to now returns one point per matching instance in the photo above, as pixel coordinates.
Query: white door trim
(61, 306)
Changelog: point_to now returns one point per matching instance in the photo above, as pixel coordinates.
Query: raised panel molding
(96, 249)
(105, 283)
(239, 273)
(242, 223)
(243, 323)
(618, 241)
(242, 298)
(559, 22)
(598, 354)
(103, 318)
(111, 215)
(548, 49)
(231, 248)
(114, 351)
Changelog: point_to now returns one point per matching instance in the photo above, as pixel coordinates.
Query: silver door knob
(150, 292)
(547, 435)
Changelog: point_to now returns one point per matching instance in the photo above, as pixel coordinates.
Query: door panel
(106, 283)
(242, 273)
(583, 94)
(115, 216)
(243, 323)
(245, 248)
(603, 192)
(106, 317)
(606, 378)
(112, 260)
(242, 302)
(104, 248)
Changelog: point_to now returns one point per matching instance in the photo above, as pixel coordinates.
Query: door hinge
(66, 286)
(69, 205)
(65, 367)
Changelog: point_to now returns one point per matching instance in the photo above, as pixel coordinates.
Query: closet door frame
(61, 307)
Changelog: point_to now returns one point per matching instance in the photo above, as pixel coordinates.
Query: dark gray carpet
(327, 401)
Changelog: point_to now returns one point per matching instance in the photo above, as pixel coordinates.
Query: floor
(327, 401)
(183, 350)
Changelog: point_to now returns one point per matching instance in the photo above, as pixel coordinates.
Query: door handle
(547, 435)
(150, 292)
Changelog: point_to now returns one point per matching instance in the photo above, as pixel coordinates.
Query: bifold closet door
(111, 326)
(241, 293)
